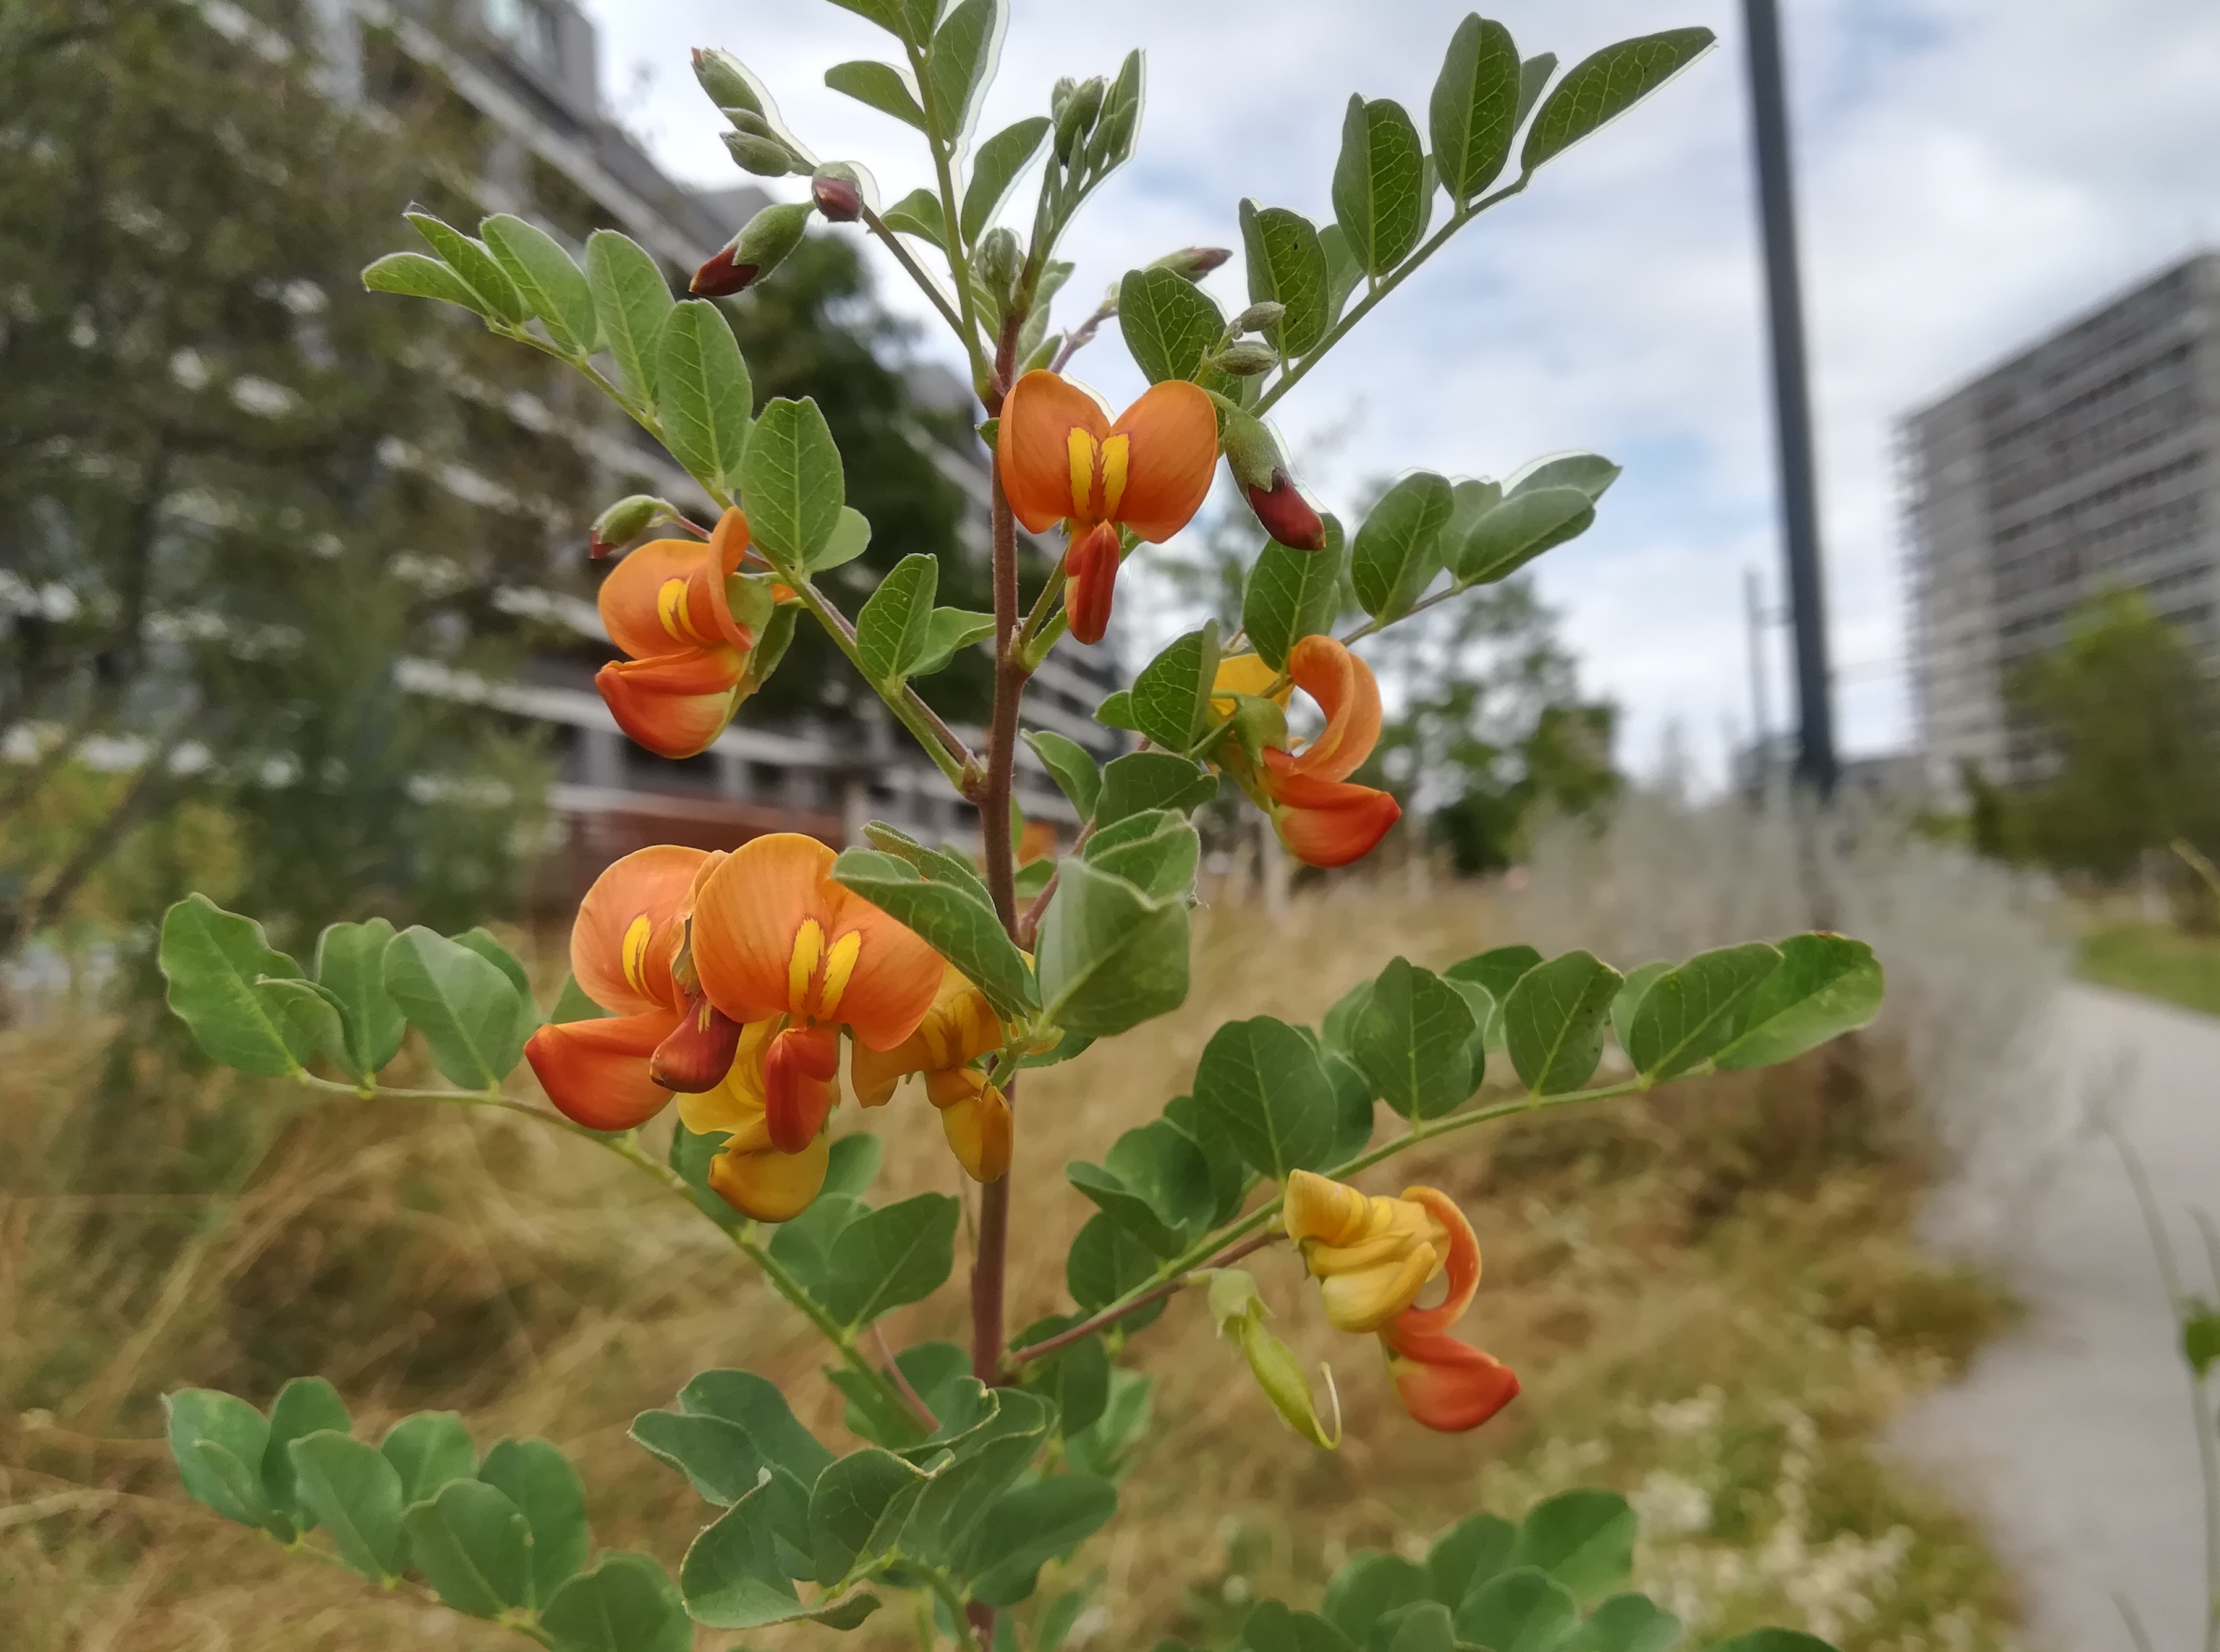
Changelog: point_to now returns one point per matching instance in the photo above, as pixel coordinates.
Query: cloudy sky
(1972, 172)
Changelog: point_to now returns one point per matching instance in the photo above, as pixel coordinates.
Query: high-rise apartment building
(2089, 460)
(521, 76)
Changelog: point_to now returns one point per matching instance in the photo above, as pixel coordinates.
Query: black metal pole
(1792, 399)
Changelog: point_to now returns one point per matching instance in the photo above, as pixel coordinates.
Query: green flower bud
(1059, 95)
(1254, 457)
(1193, 263)
(1076, 117)
(727, 80)
(755, 250)
(1239, 1311)
(997, 262)
(765, 157)
(625, 521)
(1246, 359)
(1257, 318)
(1250, 452)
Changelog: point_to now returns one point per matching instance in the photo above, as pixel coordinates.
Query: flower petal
(1090, 585)
(595, 1072)
(621, 968)
(896, 974)
(1318, 1207)
(1174, 430)
(1032, 447)
(1449, 1385)
(747, 916)
(699, 1051)
(976, 1120)
(1463, 1261)
(799, 1069)
(1349, 693)
(632, 598)
(768, 1185)
(1329, 823)
(675, 705)
(1368, 1297)
(874, 1074)
(735, 1105)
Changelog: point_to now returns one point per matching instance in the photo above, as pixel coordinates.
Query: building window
(527, 27)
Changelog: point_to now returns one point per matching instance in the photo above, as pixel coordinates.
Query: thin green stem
(1380, 289)
(940, 742)
(944, 1590)
(944, 172)
(892, 240)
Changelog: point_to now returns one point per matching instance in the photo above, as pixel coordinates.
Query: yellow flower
(959, 1029)
(751, 1173)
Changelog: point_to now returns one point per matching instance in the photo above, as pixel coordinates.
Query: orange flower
(1063, 460)
(1321, 816)
(625, 950)
(1372, 1257)
(959, 1029)
(750, 1174)
(776, 939)
(667, 606)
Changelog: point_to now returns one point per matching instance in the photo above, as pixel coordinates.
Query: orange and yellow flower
(661, 1035)
(959, 1029)
(667, 606)
(1322, 818)
(1062, 459)
(775, 939)
(750, 1172)
(1372, 1257)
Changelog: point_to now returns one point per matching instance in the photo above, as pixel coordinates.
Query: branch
(1063, 1339)
(925, 283)
(941, 743)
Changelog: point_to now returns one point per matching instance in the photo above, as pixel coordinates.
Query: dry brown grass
(1713, 1297)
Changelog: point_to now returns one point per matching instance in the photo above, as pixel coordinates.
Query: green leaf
(1583, 1539)
(1628, 998)
(1116, 710)
(466, 1008)
(891, 629)
(1469, 1553)
(1287, 267)
(1260, 1080)
(206, 1427)
(1105, 1446)
(426, 1451)
(1156, 1186)
(627, 1604)
(1369, 1586)
(1157, 851)
(1689, 1015)
(555, 287)
(1423, 1626)
(571, 1004)
(474, 1547)
(900, 1253)
(733, 1578)
(941, 865)
(940, 1372)
(1151, 780)
(918, 214)
(1498, 971)
(212, 960)
(1399, 548)
(2201, 1336)
(853, 1163)
(1110, 955)
(1409, 1041)
(1592, 473)
(469, 259)
(1604, 86)
(704, 394)
(414, 275)
(1071, 766)
(948, 632)
(1533, 75)
(314, 1012)
(996, 167)
(1171, 694)
(953, 920)
(1379, 191)
(1773, 1640)
(1352, 1105)
(1553, 1021)
(354, 1494)
(804, 1246)
(851, 537)
(1522, 1610)
(857, 1508)
(1272, 1627)
(882, 86)
(481, 941)
(1827, 985)
(1506, 538)
(792, 481)
(890, 15)
(1027, 1528)
(539, 1479)
(1625, 1623)
(1075, 1379)
(730, 1427)
(1474, 114)
(1002, 1436)
(634, 302)
(351, 965)
(960, 61)
(304, 1406)
(1291, 595)
(1343, 272)
(1104, 1262)
(1170, 325)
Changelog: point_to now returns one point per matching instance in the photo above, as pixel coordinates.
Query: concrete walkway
(2071, 1436)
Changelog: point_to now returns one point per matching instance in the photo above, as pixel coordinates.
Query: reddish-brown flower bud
(698, 1052)
(1090, 581)
(723, 275)
(1193, 263)
(840, 199)
(1285, 514)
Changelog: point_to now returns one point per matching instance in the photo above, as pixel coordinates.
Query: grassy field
(2156, 960)
(1714, 1298)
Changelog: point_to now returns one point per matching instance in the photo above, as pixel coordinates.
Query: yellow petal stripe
(1081, 448)
(1115, 451)
(802, 965)
(635, 951)
(840, 964)
(671, 609)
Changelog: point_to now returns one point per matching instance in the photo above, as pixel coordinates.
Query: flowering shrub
(736, 982)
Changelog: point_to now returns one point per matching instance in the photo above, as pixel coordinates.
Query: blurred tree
(2131, 721)
(203, 496)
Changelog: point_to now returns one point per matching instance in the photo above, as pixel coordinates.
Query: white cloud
(1971, 172)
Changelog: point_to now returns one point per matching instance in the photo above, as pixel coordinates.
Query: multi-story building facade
(521, 76)
(2089, 460)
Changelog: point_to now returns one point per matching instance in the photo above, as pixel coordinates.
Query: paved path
(2071, 1436)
